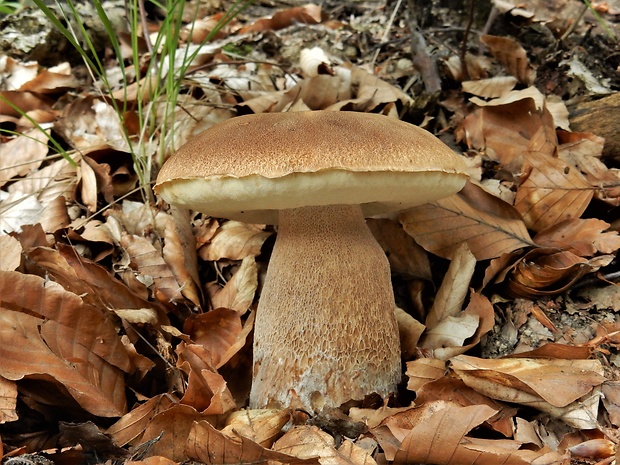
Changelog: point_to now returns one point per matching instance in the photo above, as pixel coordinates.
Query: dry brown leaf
(566, 389)
(207, 393)
(215, 332)
(261, 426)
(97, 386)
(423, 371)
(611, 400)
(88, 185)
(543, 272)
(48, 81)
(55, 215)
(583, 151)
(8, 401)
(87, 327)
(551, 191)
(11, 253)
(56, 179)
(149, 264)
(180, 253)
(441, 438)
(490, 88)
(454, 287)
(372, 93)
(208, 445)
(508, 128)
(316, 93)
(419, 445)
(489, 226)
(172, 427)
(410, 330)
(453, 390)
(583, 237)
(15, 103)
(234, 240)
(238, 293)
(306, 14)
(130, 427)
(457, 335)
(596, 449)
(406, 257)
(22, 154)
(512, 56)
(91, 281)
(309, 441)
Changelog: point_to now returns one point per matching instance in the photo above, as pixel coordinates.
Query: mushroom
(325, 330)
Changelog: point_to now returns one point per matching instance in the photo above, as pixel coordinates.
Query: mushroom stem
(325, 328)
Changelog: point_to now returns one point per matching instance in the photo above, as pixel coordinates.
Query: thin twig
(470, 21)
(423, 62)
(386, 32)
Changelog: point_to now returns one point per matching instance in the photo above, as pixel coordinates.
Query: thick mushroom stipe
(325, 326)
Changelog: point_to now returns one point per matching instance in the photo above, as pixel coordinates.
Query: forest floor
(126, 324)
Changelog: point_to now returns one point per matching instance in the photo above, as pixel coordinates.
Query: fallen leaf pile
(126, 324)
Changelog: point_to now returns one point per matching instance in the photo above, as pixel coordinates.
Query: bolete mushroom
(325, 328)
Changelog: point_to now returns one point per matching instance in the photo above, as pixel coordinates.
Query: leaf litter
(126, 325)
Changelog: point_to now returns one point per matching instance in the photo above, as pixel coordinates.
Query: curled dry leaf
(528, 381)
(148, 262)
(215, 332)
(238, 293)
(180, 253)
(457, 334)
(509, 53)
(176, 422)
(490, 88)
(420, 445)
(454, 287)
(488, 225)
(406, 257)
(423, 371)
(89, 327)
(582, 237)
(207, 393)
(261, 426)
(543, 272)
(314, 61)
(23, 154)
(508, 128)
(129, 429)
(307, 14)
(583, 151)
(96, 385)
(410, 330)
(551, 191)
(11, 253)
(93, 282)
(309, 441)
(596, 449)
(208, 445)
(611, 400)
(234, 240)
(8, 401)
(55, 215)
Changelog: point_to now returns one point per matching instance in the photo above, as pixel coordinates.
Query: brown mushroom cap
(250, 167)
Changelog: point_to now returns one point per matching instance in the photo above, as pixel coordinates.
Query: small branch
(470, 21)
(423, 62)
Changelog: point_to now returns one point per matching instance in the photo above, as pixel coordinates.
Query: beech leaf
(551, 191)
(490, 226)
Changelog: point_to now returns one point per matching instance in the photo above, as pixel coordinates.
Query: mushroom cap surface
(250, 167)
